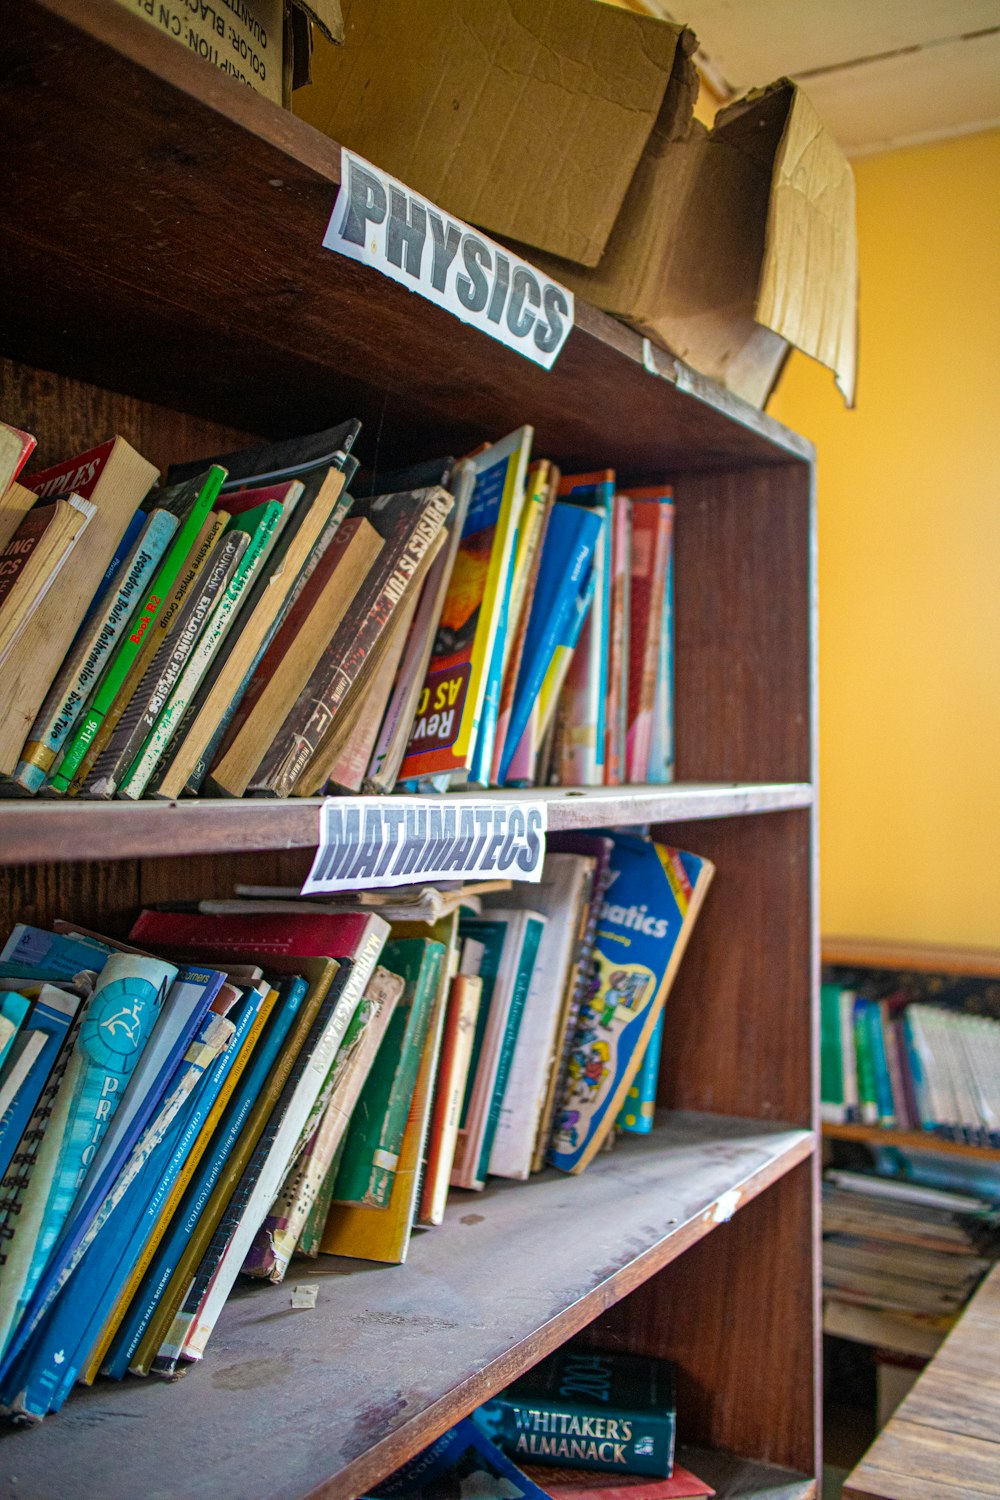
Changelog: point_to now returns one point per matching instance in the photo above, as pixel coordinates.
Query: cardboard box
(251, 40)
(526, 119)
(735, 243)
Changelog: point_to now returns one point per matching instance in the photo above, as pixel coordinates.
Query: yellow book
(173, 1198)
(462, 687)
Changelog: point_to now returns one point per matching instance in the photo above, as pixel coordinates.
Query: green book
(831, 1061)
(191, 501)
(867, 1098)
(260, 525)
(588, 1409)
(531, 935)
(368, 1166)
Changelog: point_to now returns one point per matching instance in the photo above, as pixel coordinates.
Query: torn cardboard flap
(326, 15)
(528, 120)
(735, 242)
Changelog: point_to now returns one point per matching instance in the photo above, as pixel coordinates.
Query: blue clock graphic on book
(118, 1022)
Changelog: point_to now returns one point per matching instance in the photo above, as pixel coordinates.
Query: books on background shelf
(912, 1053)
(250, 1080)
(272, 622)
(904, 1248)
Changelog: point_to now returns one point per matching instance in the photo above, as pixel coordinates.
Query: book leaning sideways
(649, 909)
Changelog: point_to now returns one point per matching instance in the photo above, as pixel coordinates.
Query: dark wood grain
(199, 277)
(736, 1313)
(320, 1404)
(740, 1015)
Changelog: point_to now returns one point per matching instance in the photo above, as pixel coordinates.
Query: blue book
(182, 1013)
(462, 1461)
(571, 540)
(136, 1320)
(39, 1042)
(597, 492)
(128, 539)
(13, 1009)
(43, 1377)
(872, 1022)
(52, 951)
(636, 1114)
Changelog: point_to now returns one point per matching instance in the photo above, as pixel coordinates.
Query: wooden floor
(944, 1441)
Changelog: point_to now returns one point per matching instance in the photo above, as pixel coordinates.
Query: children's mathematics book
(649, 909)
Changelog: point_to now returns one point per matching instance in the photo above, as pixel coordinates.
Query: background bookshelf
(162, 277)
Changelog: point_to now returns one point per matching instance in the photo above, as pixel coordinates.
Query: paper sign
(371, 843)
(382, 223)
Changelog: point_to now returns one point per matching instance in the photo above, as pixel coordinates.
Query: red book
(193, 935)
(583, 1484)
(652, 521)
(15, 449)
(79, 474)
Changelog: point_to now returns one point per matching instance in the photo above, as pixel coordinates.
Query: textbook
(650, 907)
(291, 657)
(16, 447)
(587, 676)
(637, 1113)
(464, 997)
(616, 724)
(589, 1410)
(15, 502)
(33, 559)
(371, 1150)
(260, 524)
(278, 1236)
(408, 523)
(445, 733)
(34, 1054)
(82, 669)
(511, 940)
(272, 463)
(568, 557)
(191, 504)
(166, 1279)
(583, 1484)
(115, 479)
(140, 715)
(652, 523)
(153, 638)
(461, 1462)
(13, 1009)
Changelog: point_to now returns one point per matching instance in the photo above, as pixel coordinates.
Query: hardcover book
(587, 675)
(586, 1409)
(650, 907)
(16, 447)
(462, 1462)
(652, 524)
(33, 559)
(464, 998)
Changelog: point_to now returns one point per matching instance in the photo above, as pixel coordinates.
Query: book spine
(386, 1156)
(219, 623)
(540, 1430)
(160, 676)
(129, 648)
(83, 667)
(533, 929)
(661, 751)
(50, 1019)
(207, 756)
(636, 1114)
(453, 1072)
(328, 686)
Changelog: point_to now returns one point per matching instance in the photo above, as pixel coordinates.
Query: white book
(565, 879)
(308, 1100)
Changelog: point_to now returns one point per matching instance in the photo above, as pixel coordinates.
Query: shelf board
(910, 958)
(911, 1140)
(735, 1478)
(40, 832)
(322, 1403)
(181, 240)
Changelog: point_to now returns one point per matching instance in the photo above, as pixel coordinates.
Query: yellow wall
(909, 515)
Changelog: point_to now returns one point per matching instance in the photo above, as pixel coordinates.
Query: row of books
(902, 1257)
(583, 1423)
(274, 622)
(896, 1062)
(293, 1077)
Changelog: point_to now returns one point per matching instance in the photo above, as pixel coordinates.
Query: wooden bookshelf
(907, 1140)
(162, 276)
(910, 958)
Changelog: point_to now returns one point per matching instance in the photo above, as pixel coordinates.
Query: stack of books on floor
(583, 1423)
(273, 622)
(285, 1078)
(895, 1060)
(901, 1258)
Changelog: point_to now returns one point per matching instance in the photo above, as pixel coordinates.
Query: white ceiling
(882, 73)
